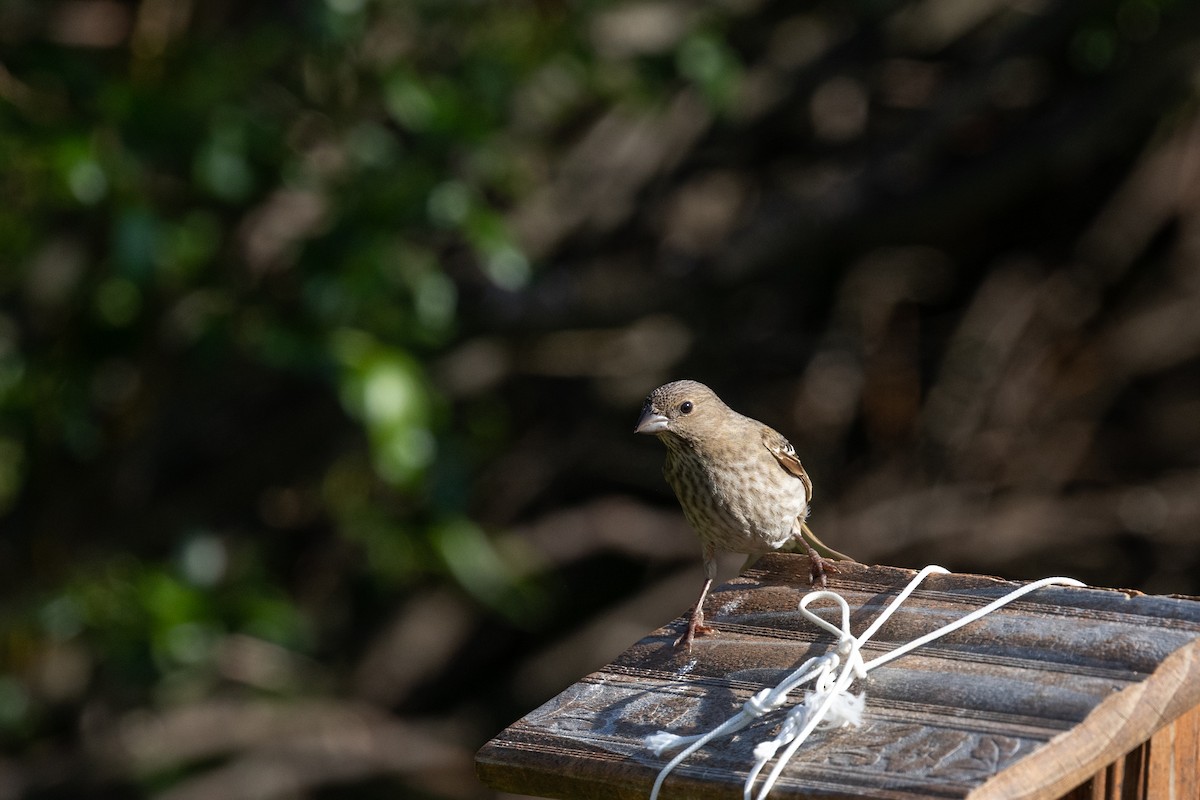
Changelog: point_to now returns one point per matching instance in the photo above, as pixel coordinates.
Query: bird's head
(682, 410)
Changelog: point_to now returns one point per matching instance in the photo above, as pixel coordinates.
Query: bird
(740, 484)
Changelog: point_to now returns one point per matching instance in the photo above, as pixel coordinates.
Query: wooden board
(1028, 702)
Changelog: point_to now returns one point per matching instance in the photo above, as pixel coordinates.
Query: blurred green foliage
(194, 191)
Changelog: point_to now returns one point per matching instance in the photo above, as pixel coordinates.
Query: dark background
(324, 327)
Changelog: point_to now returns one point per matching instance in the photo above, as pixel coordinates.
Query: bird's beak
(650, 422)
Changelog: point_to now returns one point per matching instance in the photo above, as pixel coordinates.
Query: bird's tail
(824, 550)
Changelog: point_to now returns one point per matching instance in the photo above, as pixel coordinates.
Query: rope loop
(829, 702)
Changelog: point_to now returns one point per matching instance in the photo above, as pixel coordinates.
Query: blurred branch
(278, 749)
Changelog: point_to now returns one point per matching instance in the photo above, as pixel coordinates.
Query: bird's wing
(785, 454)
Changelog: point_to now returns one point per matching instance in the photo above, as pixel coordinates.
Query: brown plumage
(740, 484)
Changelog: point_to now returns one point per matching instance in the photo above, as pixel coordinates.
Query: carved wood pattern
(1027, 703)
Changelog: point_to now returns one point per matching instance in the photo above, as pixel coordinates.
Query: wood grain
(1029, 702)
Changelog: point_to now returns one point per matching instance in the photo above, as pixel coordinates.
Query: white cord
(829, 703)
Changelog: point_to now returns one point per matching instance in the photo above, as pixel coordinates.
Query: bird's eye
(686, 407)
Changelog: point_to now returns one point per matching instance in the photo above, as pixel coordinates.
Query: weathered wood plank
(1175, 760)
(1029, 702)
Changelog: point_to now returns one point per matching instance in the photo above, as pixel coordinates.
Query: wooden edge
(1119, 723)
(498, 773)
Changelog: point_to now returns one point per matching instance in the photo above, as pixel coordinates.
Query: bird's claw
(696, 627)
(819, 568)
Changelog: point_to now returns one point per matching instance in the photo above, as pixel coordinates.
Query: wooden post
(1087, 694)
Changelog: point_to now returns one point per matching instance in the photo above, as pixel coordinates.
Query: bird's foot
(696, 627)
(819, 568)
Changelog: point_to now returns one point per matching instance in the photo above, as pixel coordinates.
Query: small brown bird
(739, 481)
